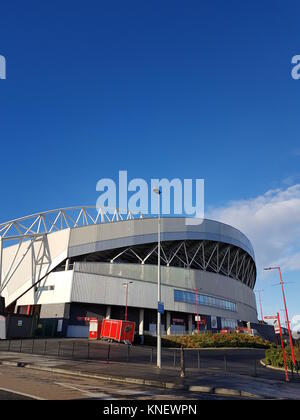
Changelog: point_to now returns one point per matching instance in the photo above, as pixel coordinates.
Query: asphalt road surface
(236, 360)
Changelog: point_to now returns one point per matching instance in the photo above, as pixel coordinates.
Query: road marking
(88, 393)
(34, 397)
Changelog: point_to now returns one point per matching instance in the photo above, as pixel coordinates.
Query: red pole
(198, 325)
(283, 352)
(287, 318)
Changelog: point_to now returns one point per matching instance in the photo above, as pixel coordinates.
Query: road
(238, 360)
(53, 386)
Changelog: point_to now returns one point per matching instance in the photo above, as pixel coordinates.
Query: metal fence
(242, 362)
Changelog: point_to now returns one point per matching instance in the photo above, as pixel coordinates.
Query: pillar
(141, 325)
(108, 312)
(168, 323)
(190, 321)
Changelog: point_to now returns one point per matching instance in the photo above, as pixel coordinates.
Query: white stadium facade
(67, 265)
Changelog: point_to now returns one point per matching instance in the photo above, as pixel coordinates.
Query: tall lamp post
(158, 192)
(286, 312)
(126, 305)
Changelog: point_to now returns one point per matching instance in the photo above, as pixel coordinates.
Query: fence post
(108, 352)
(182, 365)
(225, 363)
(199, 360)
(128, 353)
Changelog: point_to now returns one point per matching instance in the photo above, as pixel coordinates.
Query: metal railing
(239, 362)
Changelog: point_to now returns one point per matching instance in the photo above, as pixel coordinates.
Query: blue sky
(188, 89)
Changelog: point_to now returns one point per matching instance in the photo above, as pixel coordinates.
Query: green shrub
(274, 356)
(209, 340)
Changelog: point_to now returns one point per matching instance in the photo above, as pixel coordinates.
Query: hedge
(209, 340)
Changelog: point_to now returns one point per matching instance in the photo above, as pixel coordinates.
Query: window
(190, 297)
(44, 288)
(228, 323)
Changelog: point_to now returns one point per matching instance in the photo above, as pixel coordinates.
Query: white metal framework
(35, 228)
(216, 257)
(59, 219)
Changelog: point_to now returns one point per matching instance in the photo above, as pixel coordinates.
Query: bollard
(174, 361)
(58, 353)
(108, 352)
(199, 360)
(88, 350)
(8, 346)
(151, 356)
(21, 346)
(73, 349)
(32, 346)
(45, 347)
(182, 365)
(225, 363)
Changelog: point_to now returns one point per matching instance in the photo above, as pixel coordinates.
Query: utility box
(117, 330)
(95, 329)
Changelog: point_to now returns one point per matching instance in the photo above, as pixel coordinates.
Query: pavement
(18, 383)
(201, 381)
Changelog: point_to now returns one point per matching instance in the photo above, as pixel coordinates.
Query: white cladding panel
(109, 290)
(25, 264)
(55, 288)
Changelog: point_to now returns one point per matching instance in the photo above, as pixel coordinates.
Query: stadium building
(67, 265)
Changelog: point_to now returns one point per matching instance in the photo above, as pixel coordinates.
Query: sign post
(278, 330)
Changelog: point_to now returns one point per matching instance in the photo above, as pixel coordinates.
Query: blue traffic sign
(161, 308)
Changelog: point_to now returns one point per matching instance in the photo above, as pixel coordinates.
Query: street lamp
(126, 284)
(158, 192)
(286, 312)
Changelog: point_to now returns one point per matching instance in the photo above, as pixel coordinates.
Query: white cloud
(272, 223)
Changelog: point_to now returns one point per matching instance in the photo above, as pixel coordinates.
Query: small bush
(274, 356)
